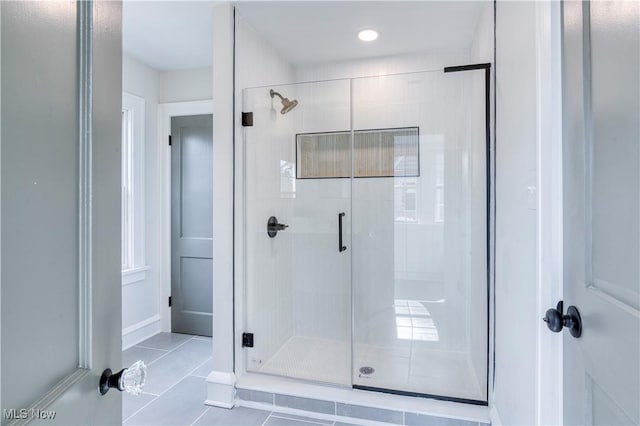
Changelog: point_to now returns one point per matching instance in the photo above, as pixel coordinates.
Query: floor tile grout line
(201, 415)
(139, 409)
(203, 338)
(200, 365)
(177, 383)
(148, 347)
(172, 350)
(267, 419)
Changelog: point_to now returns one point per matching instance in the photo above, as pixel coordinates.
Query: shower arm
(274, 93)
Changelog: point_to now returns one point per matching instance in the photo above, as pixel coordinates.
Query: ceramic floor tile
(238, 416)
(180, 405)
(166, 341)
(177, 364)
(132, 403)
(204, 369)
(135, 353)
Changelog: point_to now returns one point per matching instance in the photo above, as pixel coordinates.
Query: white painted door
(601, 126)
(61, 313)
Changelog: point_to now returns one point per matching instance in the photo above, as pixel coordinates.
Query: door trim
(0, 205)
(549, 208)
(85, 182)
(165, 112)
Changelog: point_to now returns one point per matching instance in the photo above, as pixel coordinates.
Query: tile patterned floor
(177, 365)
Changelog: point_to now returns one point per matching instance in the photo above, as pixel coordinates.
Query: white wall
(140, 300)
(185, 85)
(142, 304)
(515, 274)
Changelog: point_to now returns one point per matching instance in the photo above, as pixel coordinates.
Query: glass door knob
(130, 380)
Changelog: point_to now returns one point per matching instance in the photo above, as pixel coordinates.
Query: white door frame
(549, 268)
(165, 112)
(545, 197)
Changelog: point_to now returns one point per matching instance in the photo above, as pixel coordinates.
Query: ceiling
(325, 31)
(173, 35)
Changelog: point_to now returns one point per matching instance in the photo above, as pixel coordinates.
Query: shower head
(287, 105)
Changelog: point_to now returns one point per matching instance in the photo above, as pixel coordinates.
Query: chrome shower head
(287, 105)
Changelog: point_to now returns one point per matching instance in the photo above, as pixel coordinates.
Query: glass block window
(377, 153)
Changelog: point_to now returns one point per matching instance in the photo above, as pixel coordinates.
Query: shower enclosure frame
(490, 259)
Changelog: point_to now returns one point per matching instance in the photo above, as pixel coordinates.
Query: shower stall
(366, 227)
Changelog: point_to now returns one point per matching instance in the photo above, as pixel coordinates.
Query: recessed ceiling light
(368, 35)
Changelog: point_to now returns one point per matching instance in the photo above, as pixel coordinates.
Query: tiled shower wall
(268, 304)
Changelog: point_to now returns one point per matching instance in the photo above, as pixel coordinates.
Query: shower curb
(340, 412)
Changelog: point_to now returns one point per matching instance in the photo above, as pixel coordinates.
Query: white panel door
(601, 122)
(61, 278)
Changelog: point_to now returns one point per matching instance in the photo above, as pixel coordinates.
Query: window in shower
(377, 153)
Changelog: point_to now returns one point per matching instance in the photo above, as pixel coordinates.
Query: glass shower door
(420, 234)
(297, 170)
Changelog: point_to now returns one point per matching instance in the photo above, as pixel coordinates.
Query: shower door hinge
(169, 140)
(247, 340)
(169, 301)
(247, 119)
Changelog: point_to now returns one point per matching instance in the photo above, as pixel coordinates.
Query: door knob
(556, 320)
(130, 380)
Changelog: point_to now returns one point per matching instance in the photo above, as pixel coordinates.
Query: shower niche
(380, 280)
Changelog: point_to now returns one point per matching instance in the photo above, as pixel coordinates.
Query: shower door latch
(247, 119)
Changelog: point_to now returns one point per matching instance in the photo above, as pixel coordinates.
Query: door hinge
(169, 301)
(247, 340)
(247, 119)
(169, 140)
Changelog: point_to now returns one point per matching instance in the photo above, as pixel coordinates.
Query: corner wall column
(221, 381)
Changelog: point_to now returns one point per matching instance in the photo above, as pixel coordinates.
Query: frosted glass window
(324, 155)
(377, 153)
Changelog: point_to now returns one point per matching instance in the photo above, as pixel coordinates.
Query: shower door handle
(341, 247)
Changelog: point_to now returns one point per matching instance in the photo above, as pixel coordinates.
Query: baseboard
(495, 417)
(221, 390)
(140, 331)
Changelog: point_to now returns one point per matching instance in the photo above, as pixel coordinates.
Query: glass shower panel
(419, 234)
(297, 168)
